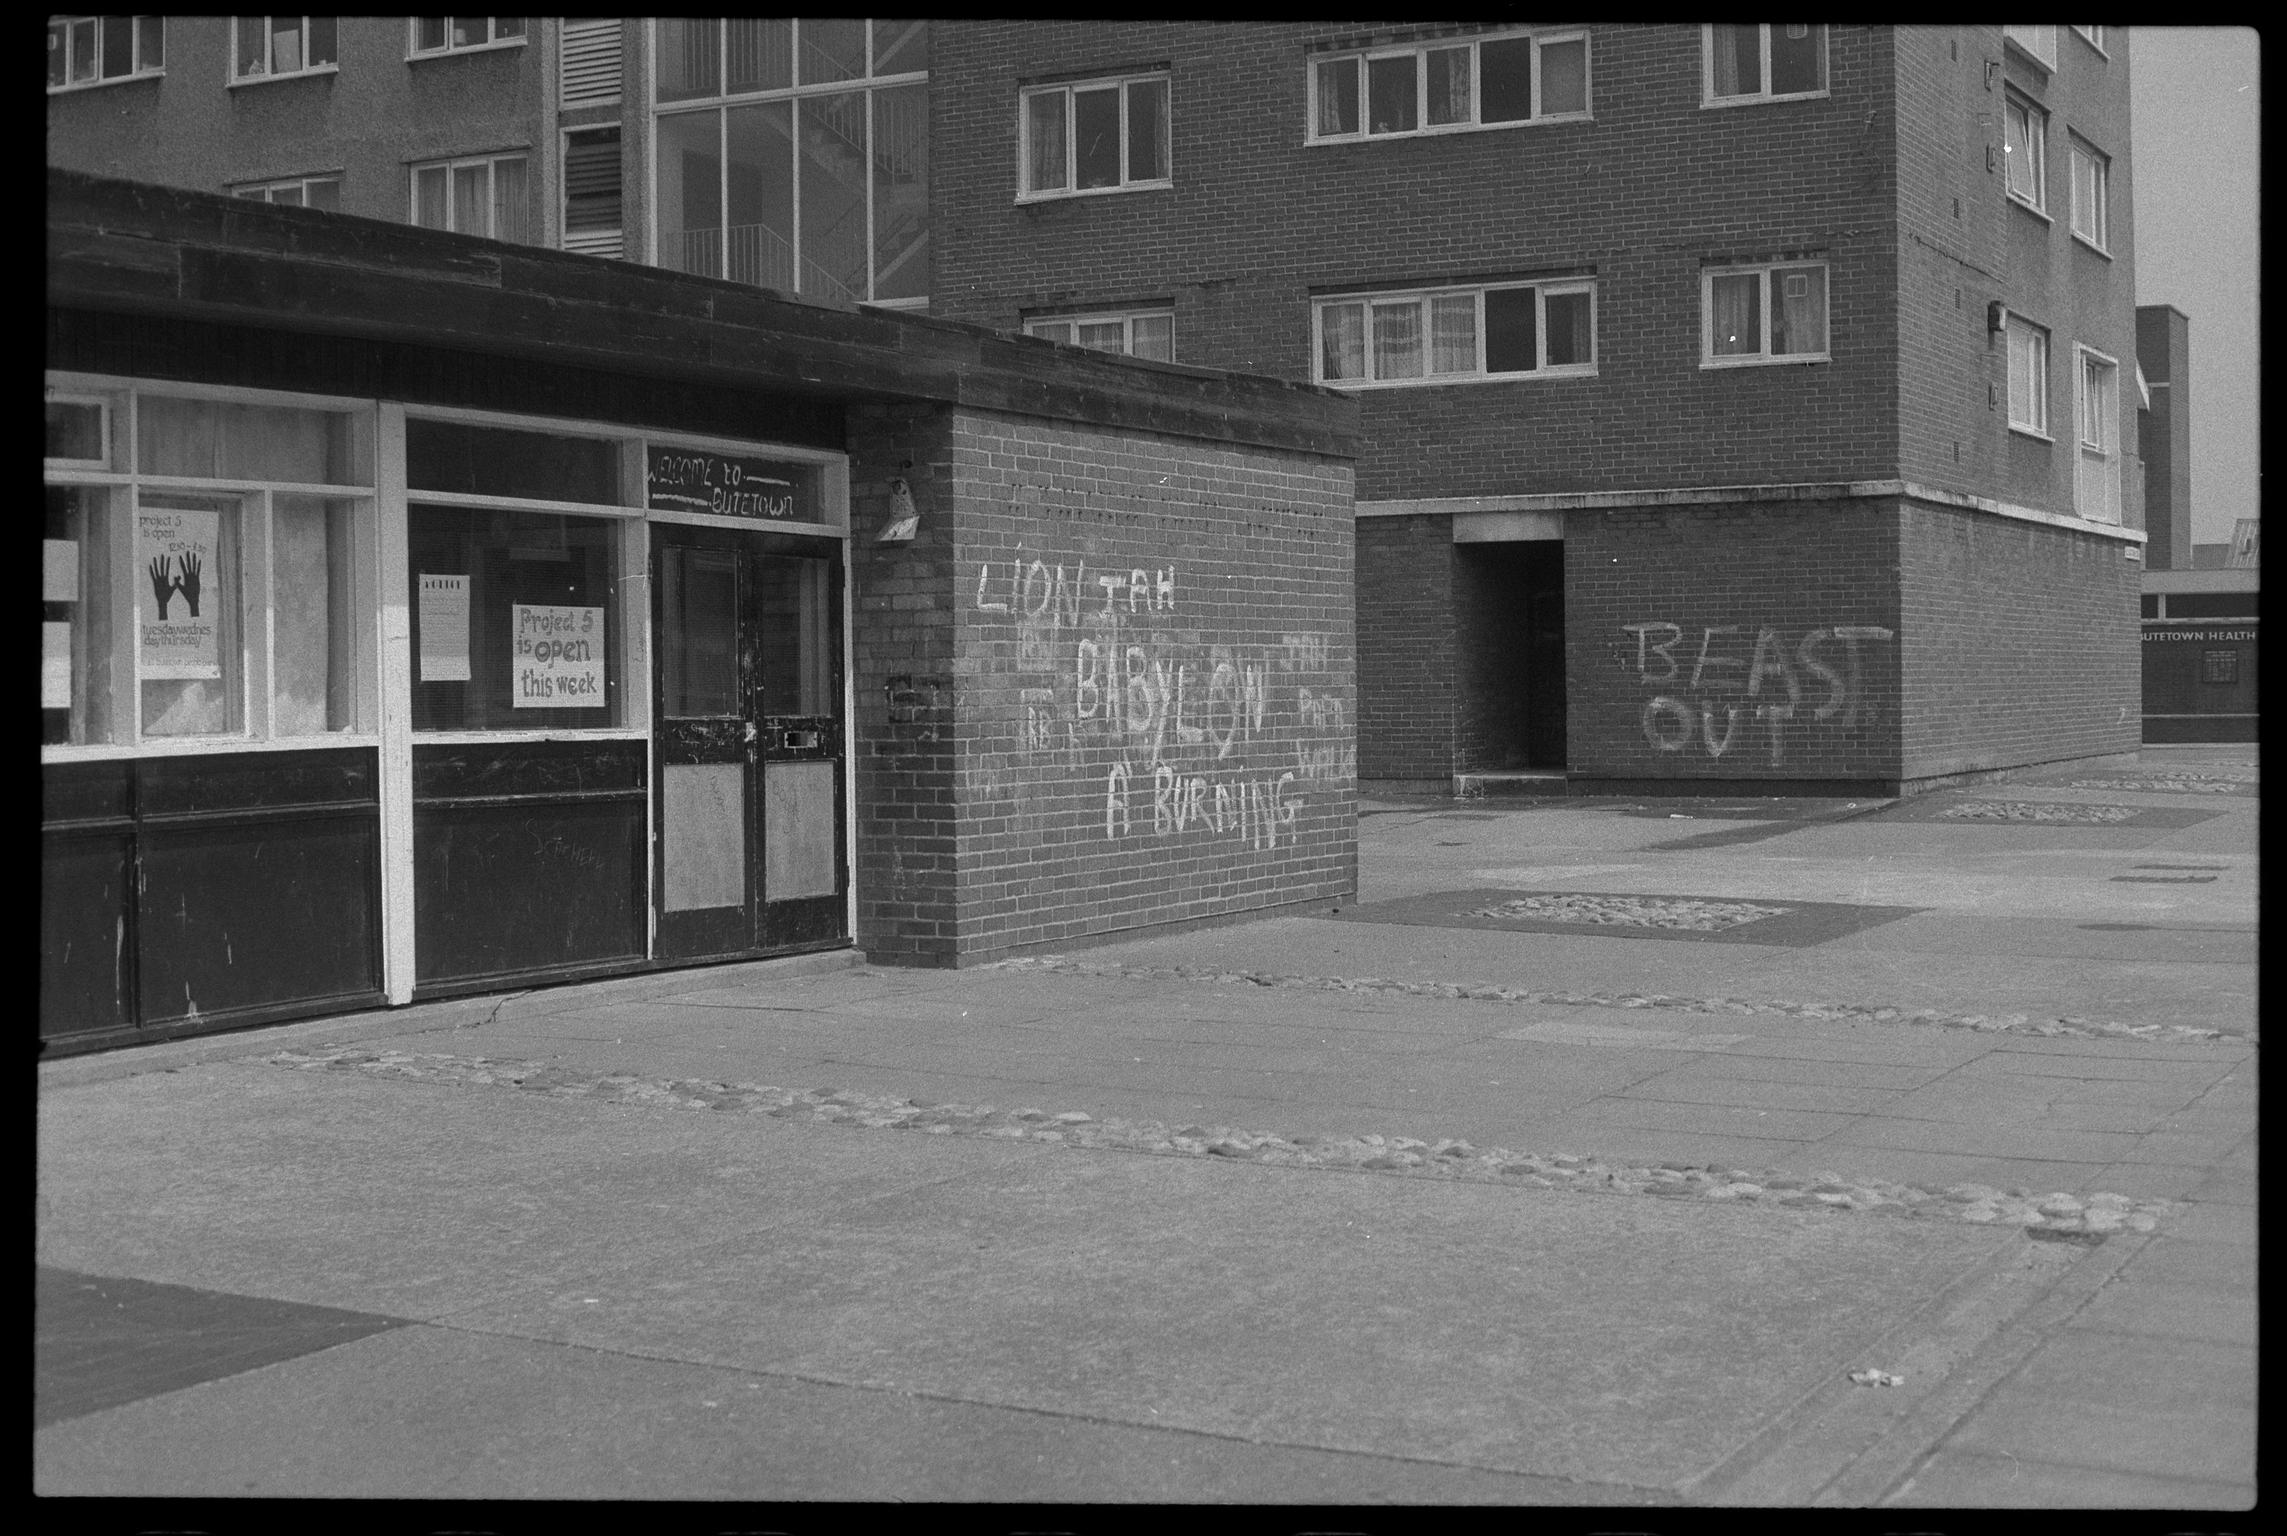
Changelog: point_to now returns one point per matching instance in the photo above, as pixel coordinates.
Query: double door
(749, 744)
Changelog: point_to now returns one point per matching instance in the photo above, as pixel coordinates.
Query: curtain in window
(472, 197)
(1044, 141)
(1153, 336)
(1453, 334)
(1564, 77)
(1738, 59)
(1570, 340)
(1342, 329)
(1449, 91)
(1735, 314)
(1798, 311)
(1338, 96)
(511, 202)
(1397, 340)
(2028, 378)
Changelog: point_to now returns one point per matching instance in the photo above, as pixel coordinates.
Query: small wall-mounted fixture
(904, 517)
(1996, 316)
(1992, 68)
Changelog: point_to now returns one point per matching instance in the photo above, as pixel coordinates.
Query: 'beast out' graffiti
(1708, 686)
(1187, 735)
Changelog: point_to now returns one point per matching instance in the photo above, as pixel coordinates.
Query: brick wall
(1131, 697)
(1641, 195)
(1717, 644)
(1407, 662)
(2019, 643)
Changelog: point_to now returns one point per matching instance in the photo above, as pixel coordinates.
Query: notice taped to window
(178, 592)
(444, 628)
(558, 657)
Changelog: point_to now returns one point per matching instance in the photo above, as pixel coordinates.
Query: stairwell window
(2025, 143)
(297, 192)
(2096, 406)
(1108, 135)
(2092, 194)
(794, 154)
(1457, 335)
(489, 196)
(96, 50)
(1750, 62)
(1134, 333)
(2028, 377)
(274, 47)
(1774, 313)
(1450, 85)
(434, 35)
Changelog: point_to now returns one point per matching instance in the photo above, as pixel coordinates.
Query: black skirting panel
(527, 859)
(184, 894)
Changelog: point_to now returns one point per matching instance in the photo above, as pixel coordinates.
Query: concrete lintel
(1718, 495)
(1507, 527)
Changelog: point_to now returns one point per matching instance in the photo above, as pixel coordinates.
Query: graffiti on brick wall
(1189, 737)
(1779, 687)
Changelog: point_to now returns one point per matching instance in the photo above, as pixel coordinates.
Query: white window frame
(493, 39)
(255, 576)
(1027, 193)
(260, 191)
(873, 83)
(1126, 319)
(2094, 37)
(2097, 214)
(1766, 358)
(2038, 43)
(2029, 415)
(2104, 449)
(2036, 152)
(1542, 289)
(331, 66)
(491, 163)
(65, 30)
(1707, 93)
(1420, 52)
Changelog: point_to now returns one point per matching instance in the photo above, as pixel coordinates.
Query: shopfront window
(202, 562)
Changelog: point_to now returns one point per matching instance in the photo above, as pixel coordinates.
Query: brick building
(1742, 405)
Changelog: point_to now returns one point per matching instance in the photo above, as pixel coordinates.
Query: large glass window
(793, 154)
(2028, 376)
(489, 197)
(2092, 195)
(91, 50)
(271, 46)
(1749, 62)
(1763, 314)
(2025, 143)
(212, 586)
(1454, 335)
(1495, 81)
(1106, 135)
(1136, 333)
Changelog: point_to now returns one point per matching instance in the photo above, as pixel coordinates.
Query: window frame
(1066, 89)
(1126, 318)
(256, 191)
(2094, 37)
(493, 39)
(490, 162)
(2036, 119)
(1543, 288)
(2080, 152)
(331, 66)
(2107, 448)
(1764, 271)
(253, 581)
(1709, 100)
(1420, 51)
(2030, 39)
(66, 27)
(2013, 325)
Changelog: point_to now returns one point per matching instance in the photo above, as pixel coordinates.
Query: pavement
(1598, 1153)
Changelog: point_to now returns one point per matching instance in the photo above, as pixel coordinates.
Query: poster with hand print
(179, 590)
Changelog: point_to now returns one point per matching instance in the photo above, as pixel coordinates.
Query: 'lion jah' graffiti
(1710, 684)
(1190, 737)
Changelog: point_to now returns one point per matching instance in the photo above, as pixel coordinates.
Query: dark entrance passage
(1509, 614)
(749, 736)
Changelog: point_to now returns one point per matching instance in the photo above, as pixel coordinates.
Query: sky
(2195, 139)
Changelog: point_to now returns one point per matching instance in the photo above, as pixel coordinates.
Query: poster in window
(444, 628)
(175, 559)
(559, 657)
(55, 665)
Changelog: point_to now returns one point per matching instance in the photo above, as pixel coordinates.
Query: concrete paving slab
(1966, 1480)
(2165, 1146)
(1986, 934)
(2225, 1269)
(2172, 1311)
(1896, 1077)
(1711, 1119)
(438, 1413)
(1004, 1291)
(2137, 1372)
(1941, 1170)
(1743, 1093)
(2192, 1069)
(2211, 1444)
(1971, 1136)
(2208, 1223)
(2165, 1181)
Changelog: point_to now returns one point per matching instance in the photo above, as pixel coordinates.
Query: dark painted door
(748, 850)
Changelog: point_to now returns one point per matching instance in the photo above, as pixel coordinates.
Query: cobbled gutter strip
(2057, 1216)
(2069, 1027)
